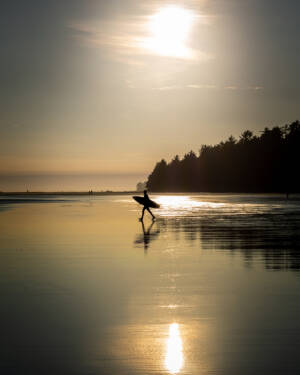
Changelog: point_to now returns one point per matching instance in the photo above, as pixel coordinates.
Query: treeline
(265, 163)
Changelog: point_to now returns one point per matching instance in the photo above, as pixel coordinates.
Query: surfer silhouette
(146, 202)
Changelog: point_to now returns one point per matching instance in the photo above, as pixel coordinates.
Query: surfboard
(145, 202)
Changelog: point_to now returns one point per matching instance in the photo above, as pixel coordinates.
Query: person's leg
(148, 209)
(142, 214)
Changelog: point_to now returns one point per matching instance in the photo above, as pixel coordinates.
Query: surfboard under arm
(145, 202)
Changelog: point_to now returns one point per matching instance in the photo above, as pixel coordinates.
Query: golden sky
(111, 87)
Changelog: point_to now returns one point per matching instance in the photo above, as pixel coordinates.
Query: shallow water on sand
(211, 287)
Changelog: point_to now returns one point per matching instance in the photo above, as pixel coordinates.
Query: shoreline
(129, 192)
(80, 193)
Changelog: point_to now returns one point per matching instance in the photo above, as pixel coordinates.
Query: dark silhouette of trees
(159, 176)
(265, 163)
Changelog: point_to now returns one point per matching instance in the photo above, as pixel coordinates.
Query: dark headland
(264, 163)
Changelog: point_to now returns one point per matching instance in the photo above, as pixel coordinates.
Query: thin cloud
(127, 39)
(207, 87)
(255, 88)
(167, 88)
(182, 87)
(195, 86)
(248, 88)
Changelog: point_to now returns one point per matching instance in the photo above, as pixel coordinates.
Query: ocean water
(211, 287)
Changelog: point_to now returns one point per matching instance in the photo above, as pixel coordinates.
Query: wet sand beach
(211, 287)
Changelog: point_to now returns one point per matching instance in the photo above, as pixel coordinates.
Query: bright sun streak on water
(170, 28)
(174, 356)
(175, 206)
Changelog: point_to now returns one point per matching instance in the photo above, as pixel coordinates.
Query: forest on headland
(263, 163)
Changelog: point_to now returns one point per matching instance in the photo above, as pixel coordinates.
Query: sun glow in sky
(94, 93)
(169, 29)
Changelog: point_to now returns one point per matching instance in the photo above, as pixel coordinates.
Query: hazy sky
(110, 87)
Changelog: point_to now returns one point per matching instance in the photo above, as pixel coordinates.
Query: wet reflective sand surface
(211, 287)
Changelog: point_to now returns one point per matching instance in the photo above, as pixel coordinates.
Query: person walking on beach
(147, 203)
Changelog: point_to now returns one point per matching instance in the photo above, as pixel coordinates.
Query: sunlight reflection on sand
(174, 356)
(173, 205)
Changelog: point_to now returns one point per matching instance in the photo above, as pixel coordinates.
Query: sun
(169, 29)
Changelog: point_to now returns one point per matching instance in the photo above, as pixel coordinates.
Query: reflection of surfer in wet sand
(147, 203)
(147, 236)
